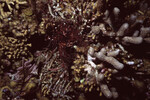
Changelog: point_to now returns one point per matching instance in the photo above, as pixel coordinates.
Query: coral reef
(54, 78)
(74, 49)
(13, 48)
(99, 65)
(21, 83)
(17, 24)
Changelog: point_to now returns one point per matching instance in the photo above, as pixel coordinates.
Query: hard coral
(95, 72)
(13, 48)
(16, 26)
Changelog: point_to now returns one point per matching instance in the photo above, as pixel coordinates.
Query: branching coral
(13, 48)
(96, 21)
(127, 33)
(96, 71)
(88, 47)
(16, 26)
(11, 6)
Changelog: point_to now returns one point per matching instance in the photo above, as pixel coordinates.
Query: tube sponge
(132, 40)
(122, 29)
(111, 60)
(106, 91)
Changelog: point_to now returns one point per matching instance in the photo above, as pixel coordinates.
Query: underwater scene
(74, 49)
